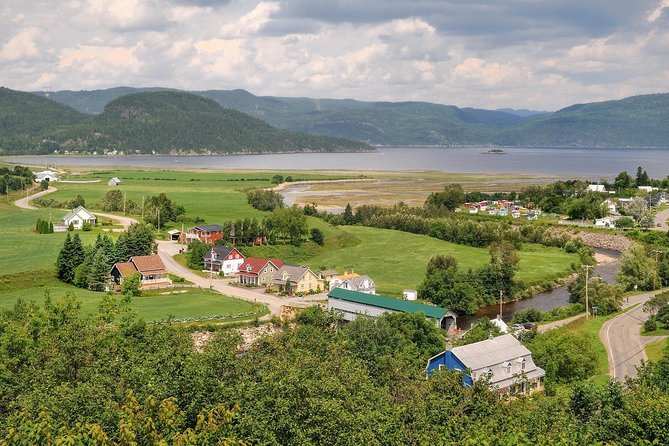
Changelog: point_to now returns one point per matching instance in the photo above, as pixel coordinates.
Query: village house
(503, 360)
(611, 206)
(114, 182)
(336, 280)
(351, 304)
(596, 188)
(151, 269)
(606, 222)
(327, 275)
(78, 217)
(204, 233)
(258, 272)
(363, 284)
(294, 279)
(48, 175)
(223, 259)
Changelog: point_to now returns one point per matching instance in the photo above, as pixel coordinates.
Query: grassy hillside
(160, 122)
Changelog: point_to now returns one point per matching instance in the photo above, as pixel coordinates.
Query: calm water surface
(594, 163)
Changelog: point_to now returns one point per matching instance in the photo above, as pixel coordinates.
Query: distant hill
(639, 121)
(160, 122)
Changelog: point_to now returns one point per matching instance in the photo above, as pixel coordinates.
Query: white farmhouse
(78, 217)
(48, 175)
(596, 188)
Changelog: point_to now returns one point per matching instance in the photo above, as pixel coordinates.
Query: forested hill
(639, 121)
(160, 122)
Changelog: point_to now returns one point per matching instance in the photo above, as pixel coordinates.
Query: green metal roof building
(353, 303)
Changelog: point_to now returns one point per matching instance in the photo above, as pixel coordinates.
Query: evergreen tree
(349, 219)
(99, 271)
(63, 271)
(136, 241)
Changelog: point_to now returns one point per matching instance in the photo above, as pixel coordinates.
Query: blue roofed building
(503, 360)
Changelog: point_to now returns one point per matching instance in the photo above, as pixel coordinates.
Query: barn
(353, 303)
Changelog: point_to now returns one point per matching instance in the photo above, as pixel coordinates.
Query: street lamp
(587, 269)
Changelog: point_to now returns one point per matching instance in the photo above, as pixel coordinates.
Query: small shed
(174, 234)
(114, 182)
(409, 294)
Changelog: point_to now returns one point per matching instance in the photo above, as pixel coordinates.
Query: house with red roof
(258, 272)
(150, 268)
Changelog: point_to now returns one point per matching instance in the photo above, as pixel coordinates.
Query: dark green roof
(388, 303)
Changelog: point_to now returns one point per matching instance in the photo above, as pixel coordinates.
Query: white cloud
(251, 22)
(21, 46)
(657, 12)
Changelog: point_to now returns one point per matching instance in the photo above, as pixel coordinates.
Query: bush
(527, 315)
(86, 227)
(317, 236)
(650, 325)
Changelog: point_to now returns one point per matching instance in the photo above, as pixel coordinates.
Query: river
(593, 163)
(557, 297)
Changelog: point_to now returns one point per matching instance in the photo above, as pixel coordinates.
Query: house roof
(295, 273)
(145, 264)
(359, 282)
(208, 228)
(348, 276)
(221, 252)
(81, 212)
(329, 272)
(253, 265)
(490, 352)
(126, 268)
(388, 303)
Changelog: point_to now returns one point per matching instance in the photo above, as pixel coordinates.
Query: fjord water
(583, 162)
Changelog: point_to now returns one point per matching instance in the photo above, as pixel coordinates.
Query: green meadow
(152, 305)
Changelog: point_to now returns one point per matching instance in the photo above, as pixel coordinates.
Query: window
(508, 367)
(522, 364)
(490, 372)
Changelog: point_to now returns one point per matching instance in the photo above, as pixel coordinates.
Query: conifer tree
(63, 270)
(99, 270)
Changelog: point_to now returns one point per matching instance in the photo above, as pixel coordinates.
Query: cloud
(483, 53)
(21, 46)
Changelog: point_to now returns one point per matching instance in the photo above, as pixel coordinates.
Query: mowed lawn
(151, 305)
(397, 260)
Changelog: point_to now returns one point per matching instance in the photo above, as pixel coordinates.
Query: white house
(78, 217)
(596, 188)
(409, 295)
(647, 189)
(363, 284)
(611, 205)
(503, 360)
(606, 222)
(114, 182)
(499, 323)
(48, 175)
(223, 258)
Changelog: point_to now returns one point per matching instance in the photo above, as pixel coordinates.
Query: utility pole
(657, 253)
(125, 196)
(500, 304)
(587, 269)
(158, 211)
(142, 208)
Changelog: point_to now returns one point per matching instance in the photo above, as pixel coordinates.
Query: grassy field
(656, 350)
(397, 260)
(21, 249)
(151, 305)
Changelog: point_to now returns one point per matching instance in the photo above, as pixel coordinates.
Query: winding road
(661, 221)
(622, 338)
(24, 203)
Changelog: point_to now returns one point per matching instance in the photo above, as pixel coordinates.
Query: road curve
(622, 338)
(24, 203)
(124, 221)
(167, 249)
(661, 220)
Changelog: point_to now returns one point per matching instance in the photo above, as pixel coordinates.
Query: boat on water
(495, 152)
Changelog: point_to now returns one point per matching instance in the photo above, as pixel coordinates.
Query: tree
(637, 268)
(317, 236)
(349, 219)
(623, 180)
(288, 223)
(112, 201)
(565, 356)
(637, 207)
(99, 271)
(450, 198)
(277, 179)
(607, 298)
(195, 254)
(78, 201)
(264, 200)
(70, 257)
(159, 209)
(138, 240)
(130, 285)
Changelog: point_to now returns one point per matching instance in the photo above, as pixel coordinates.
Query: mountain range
(158, 120)
(147, 122)
(638, 121)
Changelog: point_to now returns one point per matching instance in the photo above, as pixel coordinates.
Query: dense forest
(155, 122)
(110, 379)
(637, 121)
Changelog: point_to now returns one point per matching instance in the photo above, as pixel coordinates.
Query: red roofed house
(151, 269)
(258, 272)
(204, 233)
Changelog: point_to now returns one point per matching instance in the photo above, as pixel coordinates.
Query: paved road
(24, 203)
(167, 249)
(622, 338)
(661, 219)
(124, 221)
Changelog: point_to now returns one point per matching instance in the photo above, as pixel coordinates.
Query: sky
(535, 54)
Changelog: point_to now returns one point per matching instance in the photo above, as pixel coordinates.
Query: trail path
(24, 203)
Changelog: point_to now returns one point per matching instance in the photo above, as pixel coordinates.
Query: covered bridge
(353, 303)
